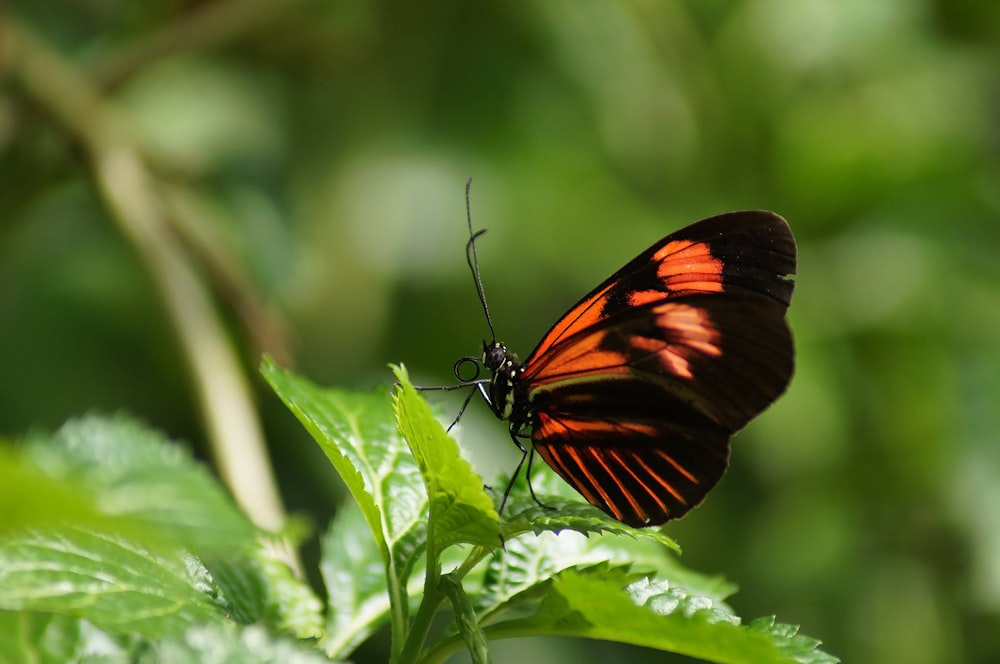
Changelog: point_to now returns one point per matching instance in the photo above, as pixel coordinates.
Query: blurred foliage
(309, 159)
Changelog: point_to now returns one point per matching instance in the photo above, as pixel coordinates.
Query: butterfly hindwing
(630, 447)
(663, 386)
(643, 480)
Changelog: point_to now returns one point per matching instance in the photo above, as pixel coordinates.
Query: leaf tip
(267, 365)
(402, 376)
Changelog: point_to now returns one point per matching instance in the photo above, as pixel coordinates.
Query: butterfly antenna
(473, 259)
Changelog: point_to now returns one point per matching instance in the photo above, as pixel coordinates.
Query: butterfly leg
(461, 411)
(527, 475)
(481, 387)
(528, 454)
(517, 470)
(477, 385)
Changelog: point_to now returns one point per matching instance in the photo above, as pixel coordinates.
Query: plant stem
(433, 596)
(429, 605)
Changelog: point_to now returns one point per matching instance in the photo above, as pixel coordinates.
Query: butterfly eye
(494, 355)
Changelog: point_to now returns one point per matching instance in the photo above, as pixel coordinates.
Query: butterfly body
(633, 394)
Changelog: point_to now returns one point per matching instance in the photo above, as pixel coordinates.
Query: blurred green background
(305, 161)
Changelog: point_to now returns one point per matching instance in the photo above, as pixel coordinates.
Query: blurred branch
(129, 191)
(208, 25)
(205, 26)
(260, 321)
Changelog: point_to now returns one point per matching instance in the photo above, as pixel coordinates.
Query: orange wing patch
(688, 335)
(692, 324)
(549, 426)
(642, 297)
(689, 266)
(587, 312)
(587, 358)
(677, 267)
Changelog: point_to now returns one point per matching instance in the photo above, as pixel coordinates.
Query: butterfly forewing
(633, 394)
(741, 252)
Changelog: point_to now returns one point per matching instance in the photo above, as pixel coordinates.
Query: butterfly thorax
(505, 390)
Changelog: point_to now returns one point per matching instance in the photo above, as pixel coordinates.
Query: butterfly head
(496, 356)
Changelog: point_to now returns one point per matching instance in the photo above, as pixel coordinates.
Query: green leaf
(133, 471)
(806, 648)
(358, 599)
(511, 580)
(293, 607)
(229, 644)
(45, 638)
(713, 586)
(609, 603)
(466, 619)
(240, 584)
(524, 515)
(116, 585)
(595, 579)
(258, 587)
(31, 498)
(460, 510)
(519, 596)
(357, 433)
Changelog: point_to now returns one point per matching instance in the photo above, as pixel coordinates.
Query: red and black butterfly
(632, 395)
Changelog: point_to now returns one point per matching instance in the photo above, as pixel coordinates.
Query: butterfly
(631, 397)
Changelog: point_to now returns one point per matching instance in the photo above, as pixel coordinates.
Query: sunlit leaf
(32, 498)
(602, 602)
(357, 433)
(133, 471)
(460, 511)
(354, 576)
(116, 585)
(229, 644)
(47, 638)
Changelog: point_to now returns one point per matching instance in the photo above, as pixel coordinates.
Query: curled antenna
(473, 259)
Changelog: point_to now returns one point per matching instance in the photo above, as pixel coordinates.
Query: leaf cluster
(442, 549)
(129, 550)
